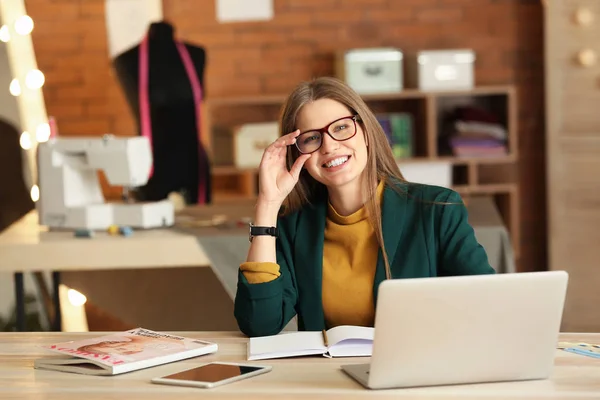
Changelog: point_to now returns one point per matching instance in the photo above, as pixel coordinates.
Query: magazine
(122, 352)
(341, 341)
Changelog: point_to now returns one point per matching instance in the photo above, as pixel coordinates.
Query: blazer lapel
(392, 222)
(309, 264)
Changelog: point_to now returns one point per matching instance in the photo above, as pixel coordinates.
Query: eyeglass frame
(355, 118)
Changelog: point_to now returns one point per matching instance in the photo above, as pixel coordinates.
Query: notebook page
(344, 332)
(352, 348)
(286, 345)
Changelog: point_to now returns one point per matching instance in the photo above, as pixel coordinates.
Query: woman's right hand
(275, 181)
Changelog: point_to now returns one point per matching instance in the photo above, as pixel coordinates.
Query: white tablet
(213, 374)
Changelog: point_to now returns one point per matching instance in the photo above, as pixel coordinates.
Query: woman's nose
(329, 144)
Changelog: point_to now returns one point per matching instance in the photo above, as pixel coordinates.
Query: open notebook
(341, 341)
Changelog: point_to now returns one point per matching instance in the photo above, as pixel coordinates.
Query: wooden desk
(574, 376)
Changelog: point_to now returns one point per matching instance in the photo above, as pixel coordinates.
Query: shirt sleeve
(267, 293)
(260, 272)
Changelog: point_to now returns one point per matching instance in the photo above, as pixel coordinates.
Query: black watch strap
(263, 231)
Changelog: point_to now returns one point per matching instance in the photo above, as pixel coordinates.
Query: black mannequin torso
(176, 145)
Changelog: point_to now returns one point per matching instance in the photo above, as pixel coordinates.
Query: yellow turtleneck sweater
(349, 259)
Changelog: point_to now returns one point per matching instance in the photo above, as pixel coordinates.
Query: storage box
(243, 146)
(441, 70)
(438, 173)
(375, 70)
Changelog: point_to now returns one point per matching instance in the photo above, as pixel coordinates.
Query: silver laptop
(468, 329)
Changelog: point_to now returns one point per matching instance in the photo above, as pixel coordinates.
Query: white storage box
(436, 173)
(244, 146)
(375, 70)
(442, 70)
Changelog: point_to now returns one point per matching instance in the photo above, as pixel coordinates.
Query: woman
(349, 220)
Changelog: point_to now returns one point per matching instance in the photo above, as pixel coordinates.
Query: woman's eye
(310, 139)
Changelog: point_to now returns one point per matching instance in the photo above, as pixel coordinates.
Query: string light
(24, 25)
(26, 85)
(4, 34)
(15, 87)
(76, 298)
(35, 79)
(25, 140)
(42, 133)
(35, 193)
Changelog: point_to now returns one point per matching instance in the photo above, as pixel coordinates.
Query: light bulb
(35, 79)
(25, 140)
(4, 34)
(24, 25)
(35, 193)
(42, 133)
(15, 87)
(75, 298)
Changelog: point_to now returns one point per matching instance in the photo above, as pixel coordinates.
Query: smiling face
(335, 164)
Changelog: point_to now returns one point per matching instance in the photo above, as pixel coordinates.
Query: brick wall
(254, 58)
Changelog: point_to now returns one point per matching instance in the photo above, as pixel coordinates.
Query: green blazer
(422, 239)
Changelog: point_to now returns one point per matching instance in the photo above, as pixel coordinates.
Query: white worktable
(27, 247)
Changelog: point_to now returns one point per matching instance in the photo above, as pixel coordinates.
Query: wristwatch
(262, 231)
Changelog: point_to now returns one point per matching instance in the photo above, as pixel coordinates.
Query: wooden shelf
(404, 94)
(498, 188)
(222, 170)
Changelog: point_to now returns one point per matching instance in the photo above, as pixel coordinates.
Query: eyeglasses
(339, 130)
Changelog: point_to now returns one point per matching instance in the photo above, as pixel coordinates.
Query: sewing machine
(70, 191)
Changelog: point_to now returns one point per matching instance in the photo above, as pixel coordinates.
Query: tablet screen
(213, 372)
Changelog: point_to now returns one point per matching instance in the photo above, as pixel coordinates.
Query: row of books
(399, 129)
(466, 139)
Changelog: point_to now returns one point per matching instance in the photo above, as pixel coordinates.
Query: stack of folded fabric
(476, 133)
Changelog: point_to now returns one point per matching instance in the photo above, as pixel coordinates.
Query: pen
(325, 338)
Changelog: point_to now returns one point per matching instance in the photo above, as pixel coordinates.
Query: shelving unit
(493, 176)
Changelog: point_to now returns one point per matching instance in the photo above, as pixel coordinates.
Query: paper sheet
(244, 10)
(127, 22)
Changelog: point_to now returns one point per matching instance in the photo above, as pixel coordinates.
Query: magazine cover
(122, 352)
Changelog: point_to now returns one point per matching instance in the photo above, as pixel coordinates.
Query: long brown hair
(381, 165)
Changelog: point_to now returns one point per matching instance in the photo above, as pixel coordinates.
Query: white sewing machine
(70, 192)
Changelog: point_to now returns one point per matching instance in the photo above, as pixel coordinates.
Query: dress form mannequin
(180, 160)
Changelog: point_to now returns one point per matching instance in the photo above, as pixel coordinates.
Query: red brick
(316, 4)
(65, 110)
(97, 109)
(233, 86)
(260, 37)
(95, 42)
(47, 10)
(62, 77)
(80, 92)
(208, 38)
(58, 44)
(440, 15)
(385, 15)
(84, 126)
(123, 125)
(395, 4)
(333, 17)
(92, 8)
(322, 35)
(367, 3)
(293, 19)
